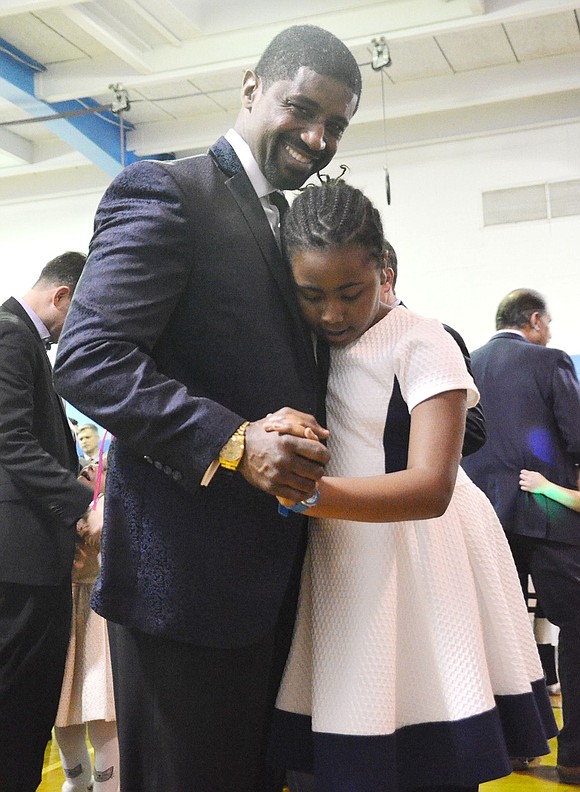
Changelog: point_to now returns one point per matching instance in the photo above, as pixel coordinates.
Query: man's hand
(281, 463)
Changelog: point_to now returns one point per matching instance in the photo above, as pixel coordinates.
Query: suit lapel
(245, 196)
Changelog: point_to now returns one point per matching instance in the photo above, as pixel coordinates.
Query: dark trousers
(555, 571)
(34, 635)
(192, 718)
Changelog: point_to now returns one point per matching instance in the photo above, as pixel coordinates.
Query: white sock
(103, 737)
(74, 756)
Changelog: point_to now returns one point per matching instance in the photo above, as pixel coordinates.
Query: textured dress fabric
(87, 690)
(413, 661)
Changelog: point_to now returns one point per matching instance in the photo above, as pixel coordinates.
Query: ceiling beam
(15, 146)
(151, 20)
(97, 137)
(238, 50)
(107, 30)
(13, 7)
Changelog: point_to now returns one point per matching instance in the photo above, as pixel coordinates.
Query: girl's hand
(532, 481)
(292, 422)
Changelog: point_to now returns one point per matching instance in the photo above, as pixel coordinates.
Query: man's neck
(259, 182)
(517, 330)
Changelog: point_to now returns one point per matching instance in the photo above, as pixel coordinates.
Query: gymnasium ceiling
(459, 68)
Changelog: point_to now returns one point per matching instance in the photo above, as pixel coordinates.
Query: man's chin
(291, 178)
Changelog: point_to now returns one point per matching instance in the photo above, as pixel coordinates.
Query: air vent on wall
(534, 202)
(564, 198)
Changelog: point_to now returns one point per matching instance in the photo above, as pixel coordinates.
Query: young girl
(413, 664)
(86, 705)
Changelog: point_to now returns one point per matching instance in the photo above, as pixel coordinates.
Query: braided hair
(331, 215)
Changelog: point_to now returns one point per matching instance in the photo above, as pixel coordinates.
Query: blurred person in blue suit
(531, 399)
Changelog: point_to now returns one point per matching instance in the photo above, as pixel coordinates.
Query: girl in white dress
(87, 707)
(413, 664)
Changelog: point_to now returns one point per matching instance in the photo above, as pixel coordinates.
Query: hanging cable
(381, 59)
(122, 139)
(386, 165)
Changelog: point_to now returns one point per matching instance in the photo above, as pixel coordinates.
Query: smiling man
(184, 334)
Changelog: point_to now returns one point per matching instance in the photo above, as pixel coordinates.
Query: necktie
(277, 199)
(279, 202)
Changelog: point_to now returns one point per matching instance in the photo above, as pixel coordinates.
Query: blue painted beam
(98, 136)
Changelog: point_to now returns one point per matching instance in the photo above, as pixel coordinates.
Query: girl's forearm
(567, 497)
(407, 495)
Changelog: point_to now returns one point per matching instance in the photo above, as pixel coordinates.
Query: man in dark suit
(183, 336)
(531, 399)
(40, 503)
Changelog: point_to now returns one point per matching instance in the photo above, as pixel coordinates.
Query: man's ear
(389, 275)
(534, 320)
(250, 86)
(60, 294)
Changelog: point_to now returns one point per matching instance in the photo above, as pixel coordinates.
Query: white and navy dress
(413, 661)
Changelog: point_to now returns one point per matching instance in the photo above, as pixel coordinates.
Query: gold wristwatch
(233, 451)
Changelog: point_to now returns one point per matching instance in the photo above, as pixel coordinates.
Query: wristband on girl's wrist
(301, 506)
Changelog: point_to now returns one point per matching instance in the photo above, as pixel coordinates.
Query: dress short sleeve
(428, 361)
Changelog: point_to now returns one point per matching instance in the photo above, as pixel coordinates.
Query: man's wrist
(232, 452)
(238, 438)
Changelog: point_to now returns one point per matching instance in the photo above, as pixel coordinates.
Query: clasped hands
(285, 455)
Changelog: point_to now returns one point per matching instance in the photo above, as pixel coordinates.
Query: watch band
(301, 506)
(232, 452)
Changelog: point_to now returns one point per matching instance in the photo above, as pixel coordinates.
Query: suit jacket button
(177, 476)
(167, 470)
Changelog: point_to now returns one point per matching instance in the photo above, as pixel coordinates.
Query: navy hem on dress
(462, 753)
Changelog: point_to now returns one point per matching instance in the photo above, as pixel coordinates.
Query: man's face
(89, 442)
(294, 127)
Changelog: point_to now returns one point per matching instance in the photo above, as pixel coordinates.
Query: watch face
(232, 450)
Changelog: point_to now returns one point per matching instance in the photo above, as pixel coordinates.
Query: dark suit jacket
(531, 400)
(185, 324)
(40, 497)
(398, 422)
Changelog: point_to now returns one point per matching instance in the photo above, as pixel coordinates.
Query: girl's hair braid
(333, 214)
